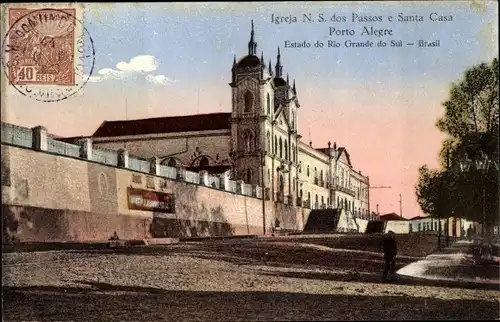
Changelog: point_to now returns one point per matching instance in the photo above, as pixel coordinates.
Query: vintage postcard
(253, 161)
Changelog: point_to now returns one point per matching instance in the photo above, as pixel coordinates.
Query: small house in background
(421, 223)
(396, 223)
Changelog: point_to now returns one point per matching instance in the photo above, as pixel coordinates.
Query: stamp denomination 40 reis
(48, 53)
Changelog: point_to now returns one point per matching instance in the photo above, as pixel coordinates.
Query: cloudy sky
(381, 103)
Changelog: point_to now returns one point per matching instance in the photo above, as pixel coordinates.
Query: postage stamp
(46, 51)
(263, 161)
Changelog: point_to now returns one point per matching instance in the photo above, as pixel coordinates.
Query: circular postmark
(48, 54)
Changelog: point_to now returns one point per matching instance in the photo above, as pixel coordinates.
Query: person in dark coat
(390, 249)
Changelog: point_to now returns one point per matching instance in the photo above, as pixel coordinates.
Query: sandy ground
(226, 280)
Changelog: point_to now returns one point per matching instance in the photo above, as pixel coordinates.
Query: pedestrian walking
(390, 248)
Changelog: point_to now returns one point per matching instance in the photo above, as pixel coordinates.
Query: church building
(258, 142)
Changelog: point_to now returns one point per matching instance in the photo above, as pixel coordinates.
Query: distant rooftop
(392, 216)
(173, 124)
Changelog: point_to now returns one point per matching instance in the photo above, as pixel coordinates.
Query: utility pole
(448, 199)
(400, 206)
(126, 108)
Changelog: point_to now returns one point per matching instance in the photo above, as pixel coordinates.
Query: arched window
(248, 176)
(268, 104)
(249, 140)
(281, 148)
(204, 162)
(171, 163)
(248, 102)
(281, 182)
(286, 150)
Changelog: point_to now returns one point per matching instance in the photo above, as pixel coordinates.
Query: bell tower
(251, 93)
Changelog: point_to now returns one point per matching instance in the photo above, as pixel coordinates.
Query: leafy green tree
(428, 190)
(471, 122)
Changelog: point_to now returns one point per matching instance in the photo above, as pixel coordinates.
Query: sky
(381, 103)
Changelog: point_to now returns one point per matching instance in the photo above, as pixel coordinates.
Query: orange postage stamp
(45, 51)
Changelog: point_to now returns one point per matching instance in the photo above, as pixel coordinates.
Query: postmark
(48, 54)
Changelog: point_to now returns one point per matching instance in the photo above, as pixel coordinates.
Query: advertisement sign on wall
(139, 199)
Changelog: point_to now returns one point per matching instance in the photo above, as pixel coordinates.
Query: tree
(470, 121)
(473, 104)
(428, 190)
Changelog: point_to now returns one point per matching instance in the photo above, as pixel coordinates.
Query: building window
(268, 141)
(436, 226)
(249, 140)
(171, 163)
(204, 162)
(293, 120)
(308, 170)
(419, 227)
(275, 151)
(248, 176)
(268, 104)
(248, 101)
(286, 150)
(281, 148)
(294, 156)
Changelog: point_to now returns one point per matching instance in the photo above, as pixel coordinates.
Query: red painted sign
(139, 199)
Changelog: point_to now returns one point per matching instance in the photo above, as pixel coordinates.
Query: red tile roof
(173, 124)
(392, 216)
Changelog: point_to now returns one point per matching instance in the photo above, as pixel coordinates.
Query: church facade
(258, 142)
